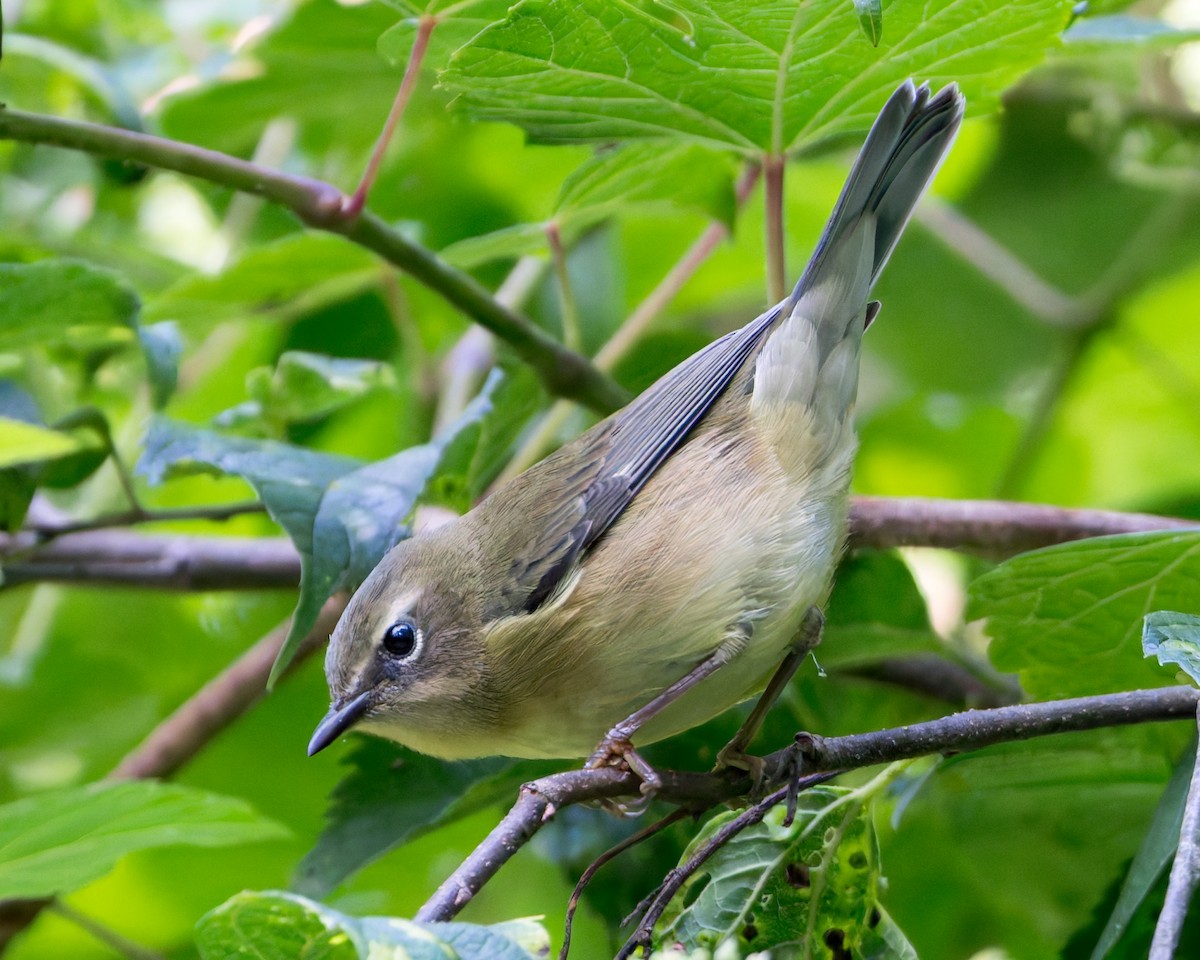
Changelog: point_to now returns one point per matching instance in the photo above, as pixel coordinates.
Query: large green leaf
(273, 925)
(776, 75)
(1068, 618)
(55, 842)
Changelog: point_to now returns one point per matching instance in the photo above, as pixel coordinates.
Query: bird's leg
(733, 754)
(617, 745)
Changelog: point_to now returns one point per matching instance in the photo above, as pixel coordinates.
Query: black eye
(400, 639)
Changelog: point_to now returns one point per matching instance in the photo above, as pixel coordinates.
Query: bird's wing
(593, 479)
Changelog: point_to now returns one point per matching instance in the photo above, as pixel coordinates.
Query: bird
(657, 569)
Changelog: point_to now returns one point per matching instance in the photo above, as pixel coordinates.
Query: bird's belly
(639, 641)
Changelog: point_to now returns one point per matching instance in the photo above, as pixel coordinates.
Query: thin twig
(773, 171)
(651, 911)
(608, 856)
(106, 935)
(319, 205)
(129, 518)
(572, 332)
(970, 730)
(995, 261)
(1185, 872)
(353, 206)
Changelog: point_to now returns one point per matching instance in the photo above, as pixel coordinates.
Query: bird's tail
(809, 363)
(900, 156)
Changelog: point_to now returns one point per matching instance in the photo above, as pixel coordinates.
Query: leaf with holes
(795, 890)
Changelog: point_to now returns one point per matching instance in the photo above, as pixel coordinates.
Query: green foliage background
(168, 306)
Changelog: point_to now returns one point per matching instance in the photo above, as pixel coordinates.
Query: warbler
(654, 571)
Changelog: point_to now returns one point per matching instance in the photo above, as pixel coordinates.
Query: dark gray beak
(337, 721)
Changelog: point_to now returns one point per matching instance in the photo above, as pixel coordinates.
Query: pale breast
(723, 538)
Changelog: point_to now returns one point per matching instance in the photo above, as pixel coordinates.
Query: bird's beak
(337, 721)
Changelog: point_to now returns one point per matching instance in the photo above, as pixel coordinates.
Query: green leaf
(452, 30)
(44, 302)
(635, 178)
(870, 18)
(794, 890)
(306, 386)
(1157, 847)
(523, 239)
(306, 270)
(22, 443)
(56, 842)
(735, 75)
(162, 346)
(391, 796)
(360, 516)
(274, 925)
(876, 610)
(289, 480)
(1068, 618)
(1173, 638)
(647, 174)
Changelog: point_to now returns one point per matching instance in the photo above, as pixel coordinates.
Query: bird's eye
(401, 639)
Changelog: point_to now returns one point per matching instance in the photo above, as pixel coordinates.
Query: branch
(995, 527)
(165, 562)
(319, 205)
(1185, 872)
(178, 562)
(970, 730)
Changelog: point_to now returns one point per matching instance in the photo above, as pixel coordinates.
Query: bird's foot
(733, 756)
(621, 754)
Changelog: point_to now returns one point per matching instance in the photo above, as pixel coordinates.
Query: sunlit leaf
(636, 178)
